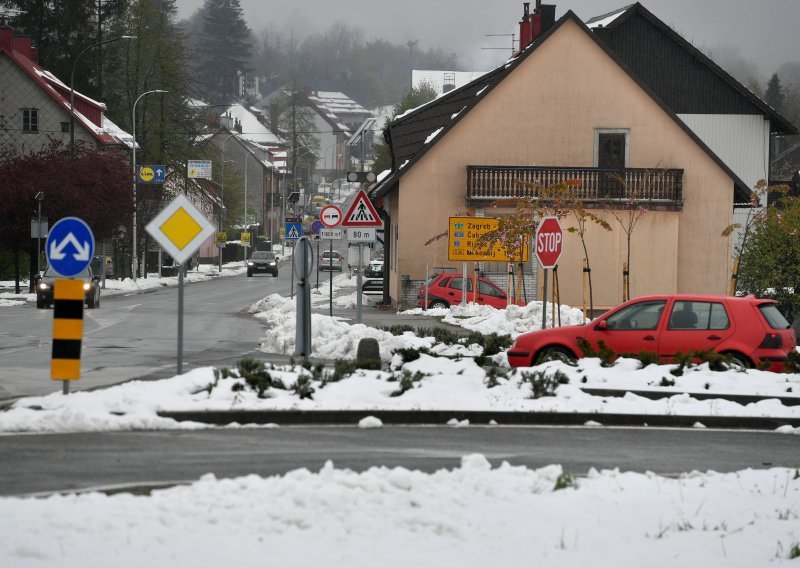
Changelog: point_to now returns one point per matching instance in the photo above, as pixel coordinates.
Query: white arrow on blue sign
(70, 246)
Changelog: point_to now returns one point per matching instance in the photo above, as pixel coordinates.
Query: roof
(252, 129)
(414, 133)
(337, 107)
(671, 66)
(106, 133)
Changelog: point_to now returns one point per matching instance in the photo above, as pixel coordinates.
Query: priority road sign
(70, 246)
(362, 213)
(330, 216)
(180, 228)
(151, 174)
(294, 231)
(549, 240)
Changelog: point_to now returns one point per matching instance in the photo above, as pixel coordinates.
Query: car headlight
(249, 264)
(43, 286)
(87, 286)
(272, 263)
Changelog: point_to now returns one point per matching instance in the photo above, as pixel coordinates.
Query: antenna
(512, 36)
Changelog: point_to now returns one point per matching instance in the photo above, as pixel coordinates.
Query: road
(42, 463)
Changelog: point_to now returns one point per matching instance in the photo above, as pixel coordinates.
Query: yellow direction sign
(464, 233)
(222, 236)
(146, 174)
(246, 239)
(180, 228)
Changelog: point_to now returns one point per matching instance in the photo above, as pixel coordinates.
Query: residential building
(568, 106)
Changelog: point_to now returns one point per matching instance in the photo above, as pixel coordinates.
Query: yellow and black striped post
(68, 298)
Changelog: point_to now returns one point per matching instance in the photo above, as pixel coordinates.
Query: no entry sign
(549, 241)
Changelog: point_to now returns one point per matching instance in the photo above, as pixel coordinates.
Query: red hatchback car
(750, 330)
(444, 290)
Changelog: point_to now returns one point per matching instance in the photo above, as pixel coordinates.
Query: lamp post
(72, 89)
(135, 259)
(222, 197)
(246, 225)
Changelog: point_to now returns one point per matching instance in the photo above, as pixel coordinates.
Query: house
(35, 104)
(568, 106)
(248, 148)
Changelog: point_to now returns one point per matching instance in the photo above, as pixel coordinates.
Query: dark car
(44, 288)
(444, 290)
(750, 330)
(375, 269)
(262, 261)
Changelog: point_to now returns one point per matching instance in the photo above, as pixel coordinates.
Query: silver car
(330, 260)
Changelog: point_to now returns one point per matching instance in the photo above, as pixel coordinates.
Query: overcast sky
(764, 31)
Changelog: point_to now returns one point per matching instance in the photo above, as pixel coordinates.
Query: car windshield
(85, 274)
(263, 255)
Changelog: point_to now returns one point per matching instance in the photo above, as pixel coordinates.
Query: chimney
(238, 126)
(532, 26)
(22, 44)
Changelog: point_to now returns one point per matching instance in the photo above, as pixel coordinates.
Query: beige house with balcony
(564, 107)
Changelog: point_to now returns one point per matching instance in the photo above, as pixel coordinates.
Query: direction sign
(294, 231)
(549, 239)
(330, 216)
(316, 227)
(151, 174)
(463, 236)
(334, 234)
(199, 169)
(69, 247)
(362, 213)
(180, 228)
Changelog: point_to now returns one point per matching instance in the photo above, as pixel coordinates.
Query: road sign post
(180, 228)
(302, 265)
(549, 240)
(361, 220)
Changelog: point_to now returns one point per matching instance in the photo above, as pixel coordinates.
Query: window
(774, 317)
(457, 283)
(639, 316)
(30, 120)
(698, 315)
(65, 127)
(487, 289)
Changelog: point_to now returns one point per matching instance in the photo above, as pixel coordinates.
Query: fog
(764, 32)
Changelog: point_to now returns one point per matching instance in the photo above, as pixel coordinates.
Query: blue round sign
(70, 246)
(316, 227)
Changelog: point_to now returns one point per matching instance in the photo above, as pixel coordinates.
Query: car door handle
(714, 337)
(649, 338)
(452, 293)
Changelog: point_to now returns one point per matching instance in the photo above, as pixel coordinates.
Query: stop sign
(549, 238)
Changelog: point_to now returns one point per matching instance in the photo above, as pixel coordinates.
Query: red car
(750, 330)
(444, 290)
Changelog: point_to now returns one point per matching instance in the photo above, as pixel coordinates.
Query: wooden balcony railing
(658, 188)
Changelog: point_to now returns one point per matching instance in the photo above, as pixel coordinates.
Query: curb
(742, 399)
(440, 418)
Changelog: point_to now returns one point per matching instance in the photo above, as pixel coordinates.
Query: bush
(302, 387)
(397, 329)
(407, 381)
(544, 384)
(603, 352)
(408, 354)
(564, 481)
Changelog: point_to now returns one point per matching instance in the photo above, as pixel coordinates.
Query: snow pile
(472, 515)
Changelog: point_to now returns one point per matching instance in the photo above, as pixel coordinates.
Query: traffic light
(361, 177)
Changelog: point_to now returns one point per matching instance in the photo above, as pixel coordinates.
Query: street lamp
(246, 225)
(72, 88)
(135, 259)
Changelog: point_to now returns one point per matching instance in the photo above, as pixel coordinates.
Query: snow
(433, 135)
(476, 514)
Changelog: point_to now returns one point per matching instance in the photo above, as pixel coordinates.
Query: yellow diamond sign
(180, 228)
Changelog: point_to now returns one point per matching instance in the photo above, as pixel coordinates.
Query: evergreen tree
(224, 49)
(774, 94)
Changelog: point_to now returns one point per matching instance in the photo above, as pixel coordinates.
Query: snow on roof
(252, 129)
(438, 79)
(605, 19)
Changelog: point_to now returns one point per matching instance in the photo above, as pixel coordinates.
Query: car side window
(457, 284)
(487, 289)
(639, 316)
(444, 281)
(698, 315)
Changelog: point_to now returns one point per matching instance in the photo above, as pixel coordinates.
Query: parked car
(330, 260)
(262, 261)
(374, 270)
(444, 290)
(44, 287)
(751, 330)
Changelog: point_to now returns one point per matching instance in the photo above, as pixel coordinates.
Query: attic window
(30, 120)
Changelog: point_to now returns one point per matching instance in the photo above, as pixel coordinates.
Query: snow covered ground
(473, 515)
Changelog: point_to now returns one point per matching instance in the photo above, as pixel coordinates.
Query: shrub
(302, 387)
(603, 352)
(399, 329)
(544, 384)
(645, 358)
(665, 382)
(564, 481)
(408, 354)
(407, 381)
(256, 376)
(492, 377)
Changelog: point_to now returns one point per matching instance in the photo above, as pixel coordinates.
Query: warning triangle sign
(362, 213)
(293, 233)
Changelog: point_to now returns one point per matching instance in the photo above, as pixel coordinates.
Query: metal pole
(39, 238)
(464, 280)
(425, 307)
(245, 207)
(330, 282)
(180, 319)
(134, 256)
(544, 301)
(317, 286)
(358, 287)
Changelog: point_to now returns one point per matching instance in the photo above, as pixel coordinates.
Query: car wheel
(740, 360)
(40, 303)
(90, 303)
(249, 273)
(438, 304)
(556, 353)
(275, 274)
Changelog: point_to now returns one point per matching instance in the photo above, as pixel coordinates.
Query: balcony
(656, 189)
